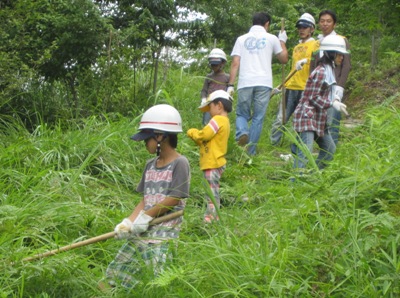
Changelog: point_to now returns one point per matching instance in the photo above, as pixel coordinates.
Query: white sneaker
(286, 157)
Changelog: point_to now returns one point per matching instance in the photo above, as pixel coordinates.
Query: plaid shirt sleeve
(310, 114)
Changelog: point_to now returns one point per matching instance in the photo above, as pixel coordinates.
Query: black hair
(328, 57)
(261, 18)
(330, 12)
(227, 104)
(173, 140)
(171, 137)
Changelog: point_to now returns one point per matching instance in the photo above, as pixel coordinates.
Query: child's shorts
(133, 258)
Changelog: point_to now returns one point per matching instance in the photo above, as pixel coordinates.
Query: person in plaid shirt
(302, 54)
(319, 95)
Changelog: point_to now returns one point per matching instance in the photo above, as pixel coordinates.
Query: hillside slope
(367, 89)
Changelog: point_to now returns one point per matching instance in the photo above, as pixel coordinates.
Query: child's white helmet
(306, 20)
(216, 56)
(213, 96)
(159, 118)
(334, 43)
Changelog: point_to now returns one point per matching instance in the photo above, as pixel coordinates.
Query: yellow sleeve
(206, 134)
(191, 132)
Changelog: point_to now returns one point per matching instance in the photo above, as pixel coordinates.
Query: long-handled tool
(283, 79)
(289, 76)
(97, 238)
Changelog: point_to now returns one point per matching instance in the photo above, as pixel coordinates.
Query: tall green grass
(332, 234)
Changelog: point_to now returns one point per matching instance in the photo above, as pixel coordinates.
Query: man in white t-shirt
(252, 58)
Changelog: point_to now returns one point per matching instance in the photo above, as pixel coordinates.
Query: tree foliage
(55, 40)
(374, 24)
(155, 25)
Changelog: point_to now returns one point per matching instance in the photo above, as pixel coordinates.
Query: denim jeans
(333, 123)
(252, 105)
(325, 143)
(292, 98)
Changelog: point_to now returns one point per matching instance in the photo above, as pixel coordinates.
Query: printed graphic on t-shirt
(156, 185)
(156, 182)
(252, 43)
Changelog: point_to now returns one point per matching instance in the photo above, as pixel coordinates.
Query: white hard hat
(216, 56)
(213, 96)
(306, 20)
(159, 118)
(334, 43)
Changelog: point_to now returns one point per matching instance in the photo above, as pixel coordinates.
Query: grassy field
(330, 234)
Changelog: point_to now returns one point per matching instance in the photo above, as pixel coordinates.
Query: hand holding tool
(98, 238)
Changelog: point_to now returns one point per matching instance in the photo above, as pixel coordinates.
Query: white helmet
(334, 43)
(306, 20)
(216, 56)
(159, 118)
(213, 96)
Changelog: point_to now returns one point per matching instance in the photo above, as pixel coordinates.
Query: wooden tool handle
(97, 238)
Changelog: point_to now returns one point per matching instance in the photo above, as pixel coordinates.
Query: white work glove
(300, 63)
(339, 92)
(230, 90)
(123, 229)
(340, 107)
(275, 91)
(141, 223)
(282, 36)
(203, 100)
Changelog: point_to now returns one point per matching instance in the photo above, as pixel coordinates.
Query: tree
(154, 25)
(228, 19)
(370, 22)
(57, 39)
(374, 18)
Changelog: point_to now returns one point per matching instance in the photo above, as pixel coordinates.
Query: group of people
(313, 91)
(314, 94)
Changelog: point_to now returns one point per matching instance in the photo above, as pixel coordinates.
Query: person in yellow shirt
(301, 65)
(213, 143)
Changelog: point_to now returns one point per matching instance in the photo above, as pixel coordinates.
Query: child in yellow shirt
(213, 143)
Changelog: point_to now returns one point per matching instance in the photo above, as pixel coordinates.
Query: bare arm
(163, 207)
(283, 56)
(234, 69)
(157, 210)
(139, 207)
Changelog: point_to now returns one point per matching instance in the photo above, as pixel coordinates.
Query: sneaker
(243, 140)
(286, 157)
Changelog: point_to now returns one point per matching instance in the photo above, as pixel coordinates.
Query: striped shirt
(311, 112)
